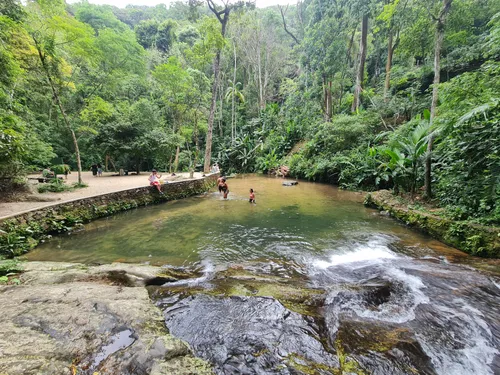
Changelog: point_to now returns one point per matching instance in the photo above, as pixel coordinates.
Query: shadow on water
(307, 281)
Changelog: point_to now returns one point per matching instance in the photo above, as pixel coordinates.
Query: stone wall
(20, 233)
(472, 238)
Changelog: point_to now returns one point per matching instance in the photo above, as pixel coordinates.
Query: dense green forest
(366, 94)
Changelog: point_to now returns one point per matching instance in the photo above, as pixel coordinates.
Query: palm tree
(233, 92)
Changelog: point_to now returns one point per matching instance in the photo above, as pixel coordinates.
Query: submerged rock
(249, 335)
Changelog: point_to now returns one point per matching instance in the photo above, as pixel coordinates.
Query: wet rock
(59, 273)
(85, 320)
(248, 335)
(182, 366)
(290, 183)
(384, 349)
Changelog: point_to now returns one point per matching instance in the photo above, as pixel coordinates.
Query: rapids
(307, 281)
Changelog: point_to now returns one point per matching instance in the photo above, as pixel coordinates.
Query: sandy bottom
(108, 183)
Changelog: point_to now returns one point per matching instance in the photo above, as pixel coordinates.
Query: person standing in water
(224, 188)
(219, 183)
(252, 196)
(154, 180)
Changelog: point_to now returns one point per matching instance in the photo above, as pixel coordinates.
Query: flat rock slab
(66, 318)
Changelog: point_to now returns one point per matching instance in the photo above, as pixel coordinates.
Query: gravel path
(108, 183)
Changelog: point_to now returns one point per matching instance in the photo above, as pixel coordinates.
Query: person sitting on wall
(154, 180)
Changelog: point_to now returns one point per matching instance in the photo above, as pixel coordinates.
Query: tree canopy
(346, 91)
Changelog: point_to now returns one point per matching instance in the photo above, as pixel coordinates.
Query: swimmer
(252, 196)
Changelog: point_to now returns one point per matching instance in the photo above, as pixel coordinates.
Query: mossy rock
(472, 238)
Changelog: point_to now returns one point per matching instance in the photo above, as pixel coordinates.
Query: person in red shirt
(252, 196)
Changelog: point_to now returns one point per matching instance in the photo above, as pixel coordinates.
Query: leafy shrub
(10, 266)
(344, 132)
(469, 165)
(57, 186)
(60, 168)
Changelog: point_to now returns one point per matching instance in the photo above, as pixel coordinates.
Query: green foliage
(58, 186)
(135, 84)
(402, 159)
(60, 169)
(10, 266)
(55, 186)
(153, 34)
(469, 177)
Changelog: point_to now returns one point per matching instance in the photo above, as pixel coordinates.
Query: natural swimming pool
(307, 279)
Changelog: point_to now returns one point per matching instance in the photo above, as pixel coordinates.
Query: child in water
(252, 196)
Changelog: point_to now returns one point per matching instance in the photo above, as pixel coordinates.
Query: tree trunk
(328, 101)
(233, 113)
(211, 117)
(59, 104)
(259, 69)
(176, 161)
(388, 65)
(440, 24)
(361, 67)
(223, 17)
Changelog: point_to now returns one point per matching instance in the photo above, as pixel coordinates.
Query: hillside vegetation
(366, 94)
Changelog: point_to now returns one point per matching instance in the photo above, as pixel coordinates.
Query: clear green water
(301, 223)
(304, 270)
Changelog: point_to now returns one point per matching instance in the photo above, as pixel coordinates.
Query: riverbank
(474, 239)
(108, 183)
(21, 232)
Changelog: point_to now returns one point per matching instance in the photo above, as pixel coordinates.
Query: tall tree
(360, 75)
(440, 21)
(54, 33)
(392, 16)
(222, 15)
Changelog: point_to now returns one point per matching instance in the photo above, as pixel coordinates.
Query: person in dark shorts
(219, 183)
(94, 170)
(224, 188)
(252, 196)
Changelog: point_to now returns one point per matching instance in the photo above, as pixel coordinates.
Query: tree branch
(284, 23)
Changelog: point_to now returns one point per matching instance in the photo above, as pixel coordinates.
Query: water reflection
(291, 223)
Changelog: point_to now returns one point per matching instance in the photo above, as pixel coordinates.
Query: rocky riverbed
(388, 316)
(72, 319)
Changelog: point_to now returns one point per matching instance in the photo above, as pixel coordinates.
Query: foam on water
(373, 252)
(208, 272)
(478, 349)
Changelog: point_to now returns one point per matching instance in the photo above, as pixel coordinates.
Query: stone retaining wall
(472, 238)
(20, 233)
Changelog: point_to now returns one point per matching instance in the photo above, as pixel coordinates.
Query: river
(305, 281)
